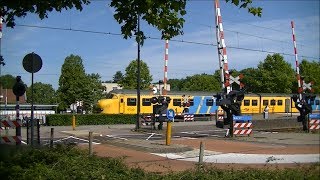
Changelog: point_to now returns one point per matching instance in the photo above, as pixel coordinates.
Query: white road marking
(111, 136)
(150, 136)
(216, 157)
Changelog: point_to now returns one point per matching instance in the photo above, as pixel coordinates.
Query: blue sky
(106, 54)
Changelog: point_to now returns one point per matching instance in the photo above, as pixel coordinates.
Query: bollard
(51, 137)
(90, 143)
(201, 153)
(168, 136)
(73, 122)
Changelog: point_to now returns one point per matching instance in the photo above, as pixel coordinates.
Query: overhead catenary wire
(159, 39)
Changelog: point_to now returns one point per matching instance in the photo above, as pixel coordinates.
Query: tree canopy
(76, 85)
(166, 16)
(9, 9)
(129, 80)
(7, 81)
(310, 71)
(42, 94)
(117, 77)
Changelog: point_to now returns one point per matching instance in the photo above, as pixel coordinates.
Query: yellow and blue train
(200, 103)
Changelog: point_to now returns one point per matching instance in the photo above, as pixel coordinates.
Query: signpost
(32, 63)
(170, 117)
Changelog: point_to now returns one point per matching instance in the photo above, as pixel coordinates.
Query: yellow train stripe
(199, 106)
(209, 108)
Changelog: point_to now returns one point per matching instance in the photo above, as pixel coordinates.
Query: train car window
(109, 96)
(312, 102)
(146, 102)
(209, 102)
(131, 101)
(121, 100)
(279, 102)
(246, 102)
(176, 102)
(317, 102)
(191, 102)
(254, 102)
(273, 102)
(265, 102)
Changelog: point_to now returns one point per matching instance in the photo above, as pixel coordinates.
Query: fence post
(51, 137)
(90, 143)
(201, 153)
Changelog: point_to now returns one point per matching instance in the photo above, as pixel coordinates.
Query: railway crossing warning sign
(236, 80)
(306, 86)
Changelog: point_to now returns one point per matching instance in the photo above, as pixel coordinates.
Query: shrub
(89, 119)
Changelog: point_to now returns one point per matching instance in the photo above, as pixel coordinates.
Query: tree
(7, 81)
(73, 82)
(251, 80)
(176, 84)
(310, 71)
(201, 82)
(129, 80)
(11, 9)
(42, 94)
(117, 77)
(166, 16)
(92, 92)
(276, 74)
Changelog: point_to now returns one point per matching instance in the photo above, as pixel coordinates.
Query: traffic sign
(32, 63)
(170, 114)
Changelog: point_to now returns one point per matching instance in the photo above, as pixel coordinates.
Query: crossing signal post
(160, 107)
(304, 108)
(231, 104)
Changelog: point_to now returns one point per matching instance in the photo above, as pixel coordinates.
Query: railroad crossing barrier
(10, 139)
(242, 125)
(188, 117)
(314, 121)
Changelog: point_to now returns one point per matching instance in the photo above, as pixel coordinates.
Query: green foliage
(311, 73)
(117, 77)
(62, 162)
(166, 16)
(89, 119)
(76, 85)
(42, 94)
(69, 162)
(7, 81)
(200, 82)
(276, 75)
(247, 4)
(129, 80)
(11, 9)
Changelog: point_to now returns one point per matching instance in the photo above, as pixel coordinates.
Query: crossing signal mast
(229, 100)
(302, 99)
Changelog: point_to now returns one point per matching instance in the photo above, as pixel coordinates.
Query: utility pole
(138, 77)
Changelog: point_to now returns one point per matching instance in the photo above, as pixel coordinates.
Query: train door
(121, 105)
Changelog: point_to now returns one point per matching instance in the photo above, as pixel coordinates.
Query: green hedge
(89, 119)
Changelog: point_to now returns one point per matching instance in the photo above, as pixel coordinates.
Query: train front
(107, 105)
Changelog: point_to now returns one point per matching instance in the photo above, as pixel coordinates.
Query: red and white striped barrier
(10, 139)
(242, 128)
(11, 124)
(188, 117)
(314, 124)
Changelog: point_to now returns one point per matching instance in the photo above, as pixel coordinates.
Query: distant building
(7, 97)
(107, 87)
